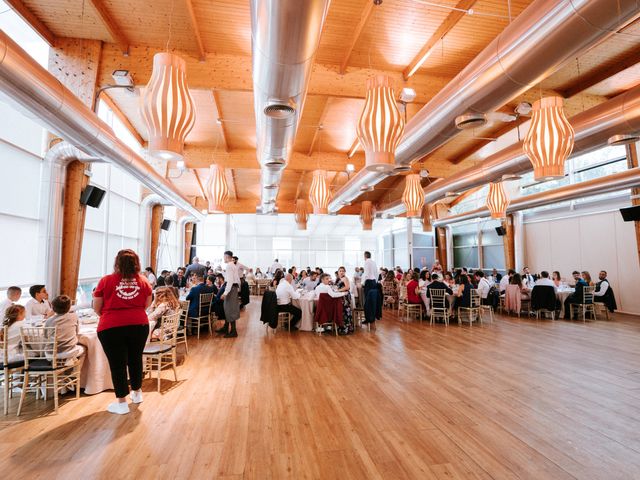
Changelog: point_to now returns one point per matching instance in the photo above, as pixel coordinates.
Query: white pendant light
(497, 200)
(217, 189)
(319, 194)
(413, 196)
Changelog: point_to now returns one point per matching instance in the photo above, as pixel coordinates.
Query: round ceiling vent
(278, 111)
(471, 120)
(402, 168)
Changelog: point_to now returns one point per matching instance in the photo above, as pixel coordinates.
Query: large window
(478, 245)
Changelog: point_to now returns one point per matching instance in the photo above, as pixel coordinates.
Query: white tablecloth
(306, 303)
(562, 295)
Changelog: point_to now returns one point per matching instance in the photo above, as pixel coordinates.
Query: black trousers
(372, 301)
(295, 312)
(123, 347)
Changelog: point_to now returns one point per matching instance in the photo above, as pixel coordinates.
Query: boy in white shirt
(13, 295)
(38, 304)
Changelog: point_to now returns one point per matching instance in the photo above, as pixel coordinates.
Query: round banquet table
(562, 295)
(95, 376)
(306, 303)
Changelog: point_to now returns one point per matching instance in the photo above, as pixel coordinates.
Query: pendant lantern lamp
(301, 214)
(217, 189)
(426, 218)
(319, 194)
(167, 107)
(413, 196)
(550, 138)
(366, 215)
(381, 125)
(497, 200)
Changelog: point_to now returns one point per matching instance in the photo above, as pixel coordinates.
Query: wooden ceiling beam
(203, 157)
(457, 14)
(300, 183)
(123, 118)
(220, 120)
(319, 128)
(231, 182)
(628, 60)
(232, 72)
(366, 12)
(248, 205)
(196, 30)
(354, 148)
(200, 186)
(112, 27)
(28, 16)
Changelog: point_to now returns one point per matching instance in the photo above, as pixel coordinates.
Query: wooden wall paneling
(188, 242)
(28, 16)
(73, 217)
(75, 62)
(509, 243)
(157, 215)
(441, 233)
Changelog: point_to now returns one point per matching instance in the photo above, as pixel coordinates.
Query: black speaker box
(92, 196)
(165, 224)
(501, 231)
(631, 214)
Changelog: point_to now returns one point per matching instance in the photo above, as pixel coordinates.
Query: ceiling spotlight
(424, 173)
(180, 164)
(366, 188)
(350, 168)
(523, 109)
(204, 211)
(122, 78)
(407, 95)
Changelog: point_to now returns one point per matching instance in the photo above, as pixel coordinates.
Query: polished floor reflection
(512, 399)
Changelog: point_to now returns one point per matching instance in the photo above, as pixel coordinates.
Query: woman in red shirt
(413, 295)
(120, 299)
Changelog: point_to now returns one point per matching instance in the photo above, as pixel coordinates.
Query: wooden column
(73, 215)
(188, 239)
(441, 233)
(157, 215)
(509, 243)
(632, 162)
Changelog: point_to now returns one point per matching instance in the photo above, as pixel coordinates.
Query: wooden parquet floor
(512, 399)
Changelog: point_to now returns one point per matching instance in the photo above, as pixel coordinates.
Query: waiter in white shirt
(372, 297)
(230, 297)
(275, 266)
(285, 293)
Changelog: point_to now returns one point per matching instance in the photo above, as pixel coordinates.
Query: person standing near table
(371, 291)
(230, 295)
(285, 293)
(121, 300)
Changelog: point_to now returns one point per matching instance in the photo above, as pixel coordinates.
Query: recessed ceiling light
(407, 95)
(350, 167)
(180, 164)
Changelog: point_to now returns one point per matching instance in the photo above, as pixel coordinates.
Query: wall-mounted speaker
(165, 224)
(501, 231)
(631, 214)
(92, 196)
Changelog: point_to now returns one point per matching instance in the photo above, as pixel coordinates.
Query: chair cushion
(10, 365)
(40, 365)
(156, 348)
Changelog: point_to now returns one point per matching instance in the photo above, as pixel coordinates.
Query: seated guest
(13, 295)
(259, 274)
(311, 282)
(278, 275)
(516, 279)
(325, 287)
(586, 276)
(193, 297)
(604, 292)
(250, 276)
(463, 297)
(496, 276)
(446, 278)
(423, 279)
(14, 318)
(556, 279)
(151, 276)
(67, 327)
(164, 303)
(168, 282)
(161, 281)
(285, 293)
(180, 279)
(303, 276)
(390, 292)
(576, 278)
(413, 290)
(38, 304)
(211, 282)
(506, 280)
(437, 284)
(576, 297)
(483, 287)
(545, 281)
(527, 278)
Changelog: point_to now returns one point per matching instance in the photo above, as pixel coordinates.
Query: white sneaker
(119, 408)
(136, 396)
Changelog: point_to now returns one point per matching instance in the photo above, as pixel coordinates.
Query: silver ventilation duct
(610, 183)
(32, 89)
(284, 39)
(593, 128)
(536, 44)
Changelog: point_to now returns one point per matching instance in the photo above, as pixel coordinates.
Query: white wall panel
(19, 182)
(92, 258)
(19, 247)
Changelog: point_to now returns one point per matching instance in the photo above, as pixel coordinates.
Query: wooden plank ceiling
(420, 44)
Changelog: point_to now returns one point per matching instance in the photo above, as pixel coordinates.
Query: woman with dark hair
(343, 285)
(463, 298)
(516, 279)
(151, 276)
(557, 279)
(121, 300)
(279, 275)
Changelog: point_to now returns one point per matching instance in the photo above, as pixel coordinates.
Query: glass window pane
(465, 257)
(493, 257)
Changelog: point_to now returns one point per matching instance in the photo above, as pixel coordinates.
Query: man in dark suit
(194, 295)
(180, 279)
(436, 284)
